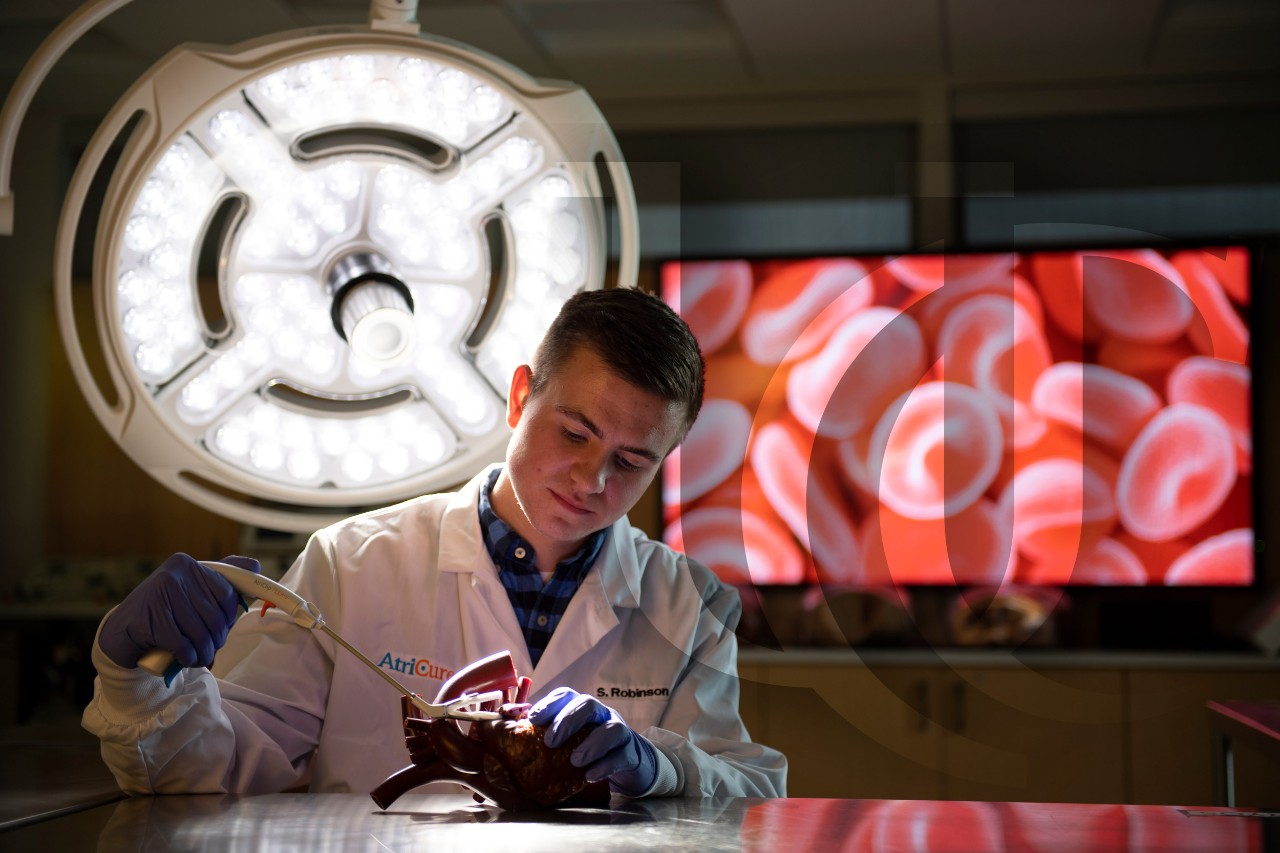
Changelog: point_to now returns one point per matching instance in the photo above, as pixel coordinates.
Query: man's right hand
(181, 608)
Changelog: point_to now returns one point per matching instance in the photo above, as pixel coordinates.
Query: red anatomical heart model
(503, 760)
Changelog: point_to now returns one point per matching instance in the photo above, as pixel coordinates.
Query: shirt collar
(500, 538)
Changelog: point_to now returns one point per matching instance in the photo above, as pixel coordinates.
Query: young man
(536, 557)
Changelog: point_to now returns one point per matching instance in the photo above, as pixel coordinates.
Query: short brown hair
(637, 335)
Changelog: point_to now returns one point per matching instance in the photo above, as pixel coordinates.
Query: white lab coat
(649, 632)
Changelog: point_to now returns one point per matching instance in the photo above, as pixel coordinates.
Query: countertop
(342, 822)
(49, 769)
(956, 657)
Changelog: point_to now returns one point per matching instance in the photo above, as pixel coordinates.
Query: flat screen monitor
(1060, 417)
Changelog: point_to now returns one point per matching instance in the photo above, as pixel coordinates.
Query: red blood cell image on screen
(1222, 387)
(868, 362)
(1222, 334)
(730, 540)
(1138, 296)
(1099, 403)
(1059, 507)
(937, 451)
(710, 297)
(992, 343)
(970, 547)
(712, 450)
(806, 497)
(1177, 473)
(1053, 417)
(795, 310)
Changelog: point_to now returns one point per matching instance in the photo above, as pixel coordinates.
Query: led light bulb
(358, 69)
(277, 87)
(253, 350)
(142, 233)
(334, 438)
(472, 409)
(289, 343)
(452, 85)
(153, 359)
(532, 285)
(165, 262)
(140, 324)
(358, 466)
(552, 192)
(454, 255)
(155, 197)
(266, 455)
(319, 358)
(429, 447)
(228, 371)
(137, 287)
(265, 320)
(233, 437)
(415, 74)
(394, 459)
(458, 194)
(344, 179)
(303, 465)
(402, 426)
(200, 395)
(295, 432)
(392, 183)
(485, 175)
(516, 154)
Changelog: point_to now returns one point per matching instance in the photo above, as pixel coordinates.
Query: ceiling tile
(726, 52)
(491, 28)
(803, 40)
(1222, 34)
(637, 46)
(1072, 37)
(152, 28)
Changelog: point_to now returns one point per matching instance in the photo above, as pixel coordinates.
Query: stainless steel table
(345, 822)
(49, 769)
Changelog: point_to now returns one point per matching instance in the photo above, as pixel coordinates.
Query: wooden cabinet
(1035, 735)
(848, 730)
(996, 726)
(1170, 735)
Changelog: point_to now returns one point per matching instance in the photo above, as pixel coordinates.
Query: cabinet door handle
(921, 705)
(958, 701)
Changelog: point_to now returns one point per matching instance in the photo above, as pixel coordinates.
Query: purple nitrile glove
(612, 751)
(181, 608)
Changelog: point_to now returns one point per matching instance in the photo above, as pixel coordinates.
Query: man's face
(583, 451)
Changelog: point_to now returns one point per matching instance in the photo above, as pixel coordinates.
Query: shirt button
(520, 552)
(542, 621)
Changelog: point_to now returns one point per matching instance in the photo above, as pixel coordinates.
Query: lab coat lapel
(613, 582)
(488, 622)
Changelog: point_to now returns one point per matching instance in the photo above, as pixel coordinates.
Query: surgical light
(395, 220)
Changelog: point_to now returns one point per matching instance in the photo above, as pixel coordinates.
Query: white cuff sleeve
(670, 781)
(129, 695)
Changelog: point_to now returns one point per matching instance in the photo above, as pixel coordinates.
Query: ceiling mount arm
(33, 73)
(399, 15)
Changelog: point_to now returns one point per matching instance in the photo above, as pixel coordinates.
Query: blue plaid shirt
(538, 607)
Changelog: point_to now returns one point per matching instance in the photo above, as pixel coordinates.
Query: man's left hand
(612, 751)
